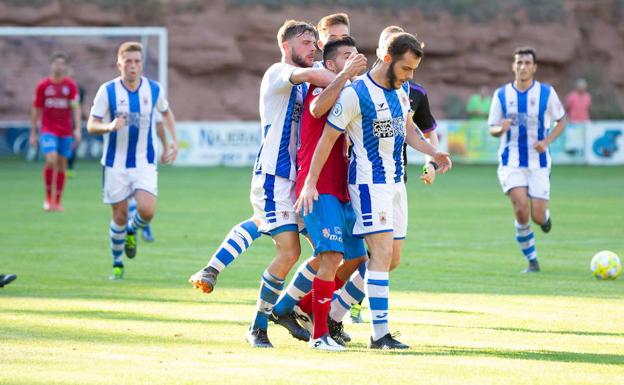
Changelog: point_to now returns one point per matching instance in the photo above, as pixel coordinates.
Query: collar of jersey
(377, 84)
(525, 91)
(126, 88)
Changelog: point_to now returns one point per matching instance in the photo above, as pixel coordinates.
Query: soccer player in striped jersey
(521, 114)
(123, 111)
(56, 103)
(373, 111)
(272, 195)
(242, 235)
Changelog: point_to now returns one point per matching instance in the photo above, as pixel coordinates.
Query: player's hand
(120, 122)
(33, 140)
(170, 154)
(505, 124)
(306, 199)
(443, 160)
(429, 174)
(355, 65)
(541, 145)
(77, 138)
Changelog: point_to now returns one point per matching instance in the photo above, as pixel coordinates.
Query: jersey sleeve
(74, 95)
(279, 77)
(345, 110)
(496, 110)
(100, 108)
(422, 113)
(162, 105)
(555, 108)
(39, 98)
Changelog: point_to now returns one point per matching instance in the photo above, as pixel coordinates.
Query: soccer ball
(606, 265)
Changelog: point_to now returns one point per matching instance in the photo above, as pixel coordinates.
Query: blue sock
(270, 289)
(235, 243)
(352, 293)
(378, 287)
(117, 242)
(136, 223)
(526, 240)
(300, 285)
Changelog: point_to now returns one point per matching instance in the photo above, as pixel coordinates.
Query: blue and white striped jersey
(532, 113)
(134, 145)
(375, 120)
(281, 105)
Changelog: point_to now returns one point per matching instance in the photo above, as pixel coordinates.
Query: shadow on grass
(118, 315)
(534, 355)
(523, 330)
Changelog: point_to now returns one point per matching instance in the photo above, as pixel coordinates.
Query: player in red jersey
(329, 226)
(56, 99)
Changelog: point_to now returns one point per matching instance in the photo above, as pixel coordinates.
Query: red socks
(48, 174)
(60, 184)
(322, 292)
(305, 304)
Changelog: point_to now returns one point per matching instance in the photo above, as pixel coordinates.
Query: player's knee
(147, 214)
(120, 218)
(331, 259)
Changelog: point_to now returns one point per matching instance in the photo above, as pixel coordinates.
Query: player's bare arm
(96, 126)
(542, 145)
(497, 131)
(319, 77)
(75, 106)
(416, 139)
(309, 194)
(35, 117)
(356, 64)
(170, 153)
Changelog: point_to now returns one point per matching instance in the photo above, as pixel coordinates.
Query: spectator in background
(578, 103)
(478, 106)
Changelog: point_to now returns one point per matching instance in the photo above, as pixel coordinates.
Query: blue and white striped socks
(270, 289)
(351, 293)
(297, 288)
(136, 223)
(526, 240)
(235, 243)
(117, 242)
(378, 290)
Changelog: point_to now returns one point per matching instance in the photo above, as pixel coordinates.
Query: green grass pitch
(458, 298)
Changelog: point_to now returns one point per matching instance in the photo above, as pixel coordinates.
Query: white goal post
(143, 32)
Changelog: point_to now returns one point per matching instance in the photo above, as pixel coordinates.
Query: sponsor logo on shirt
(388, 128)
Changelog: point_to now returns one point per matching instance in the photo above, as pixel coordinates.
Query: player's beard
(390, 75)
(298, 60)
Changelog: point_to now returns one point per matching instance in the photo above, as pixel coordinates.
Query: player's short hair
(526, 51)
(293, 28)
(331, 20)
(129, 46)
(399, 43)
(59, 55)
(330, 50)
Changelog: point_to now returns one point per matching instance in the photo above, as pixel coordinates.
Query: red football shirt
(333, 178)
(55, 101)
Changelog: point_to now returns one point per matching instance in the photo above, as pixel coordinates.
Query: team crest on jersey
(337, 111)
(317, 91)
(65, 90)
(382, 218)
